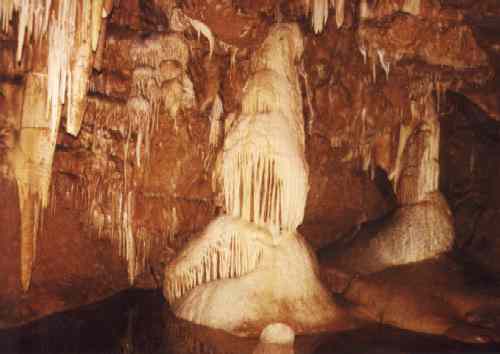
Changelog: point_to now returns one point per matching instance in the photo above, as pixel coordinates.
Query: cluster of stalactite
(67, 32)
(160, 87)
(318, 11)
(227, 249)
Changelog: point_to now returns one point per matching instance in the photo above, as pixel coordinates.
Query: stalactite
(99, 54)
(30, 224)
(144, 78)
(188, 93)
(178, 21)
(419, 142)
(158, 48)
(200, 27)
(107, 8)
(79, 71)
(32, 167)
(142, 121)
(364, 53)
(339, 13)
(7, 8)
(172, 93)
(170, 69)
(309, 99)
(428, 178)
(128, 236)
(160, 59)
(307, 6)
(412, 7)
(386, 65)
(319, 15)
(32, 21)
(216, 123)
(67, 75)
(405, 132)
(364, 9)
(228, 248)
(96, 19)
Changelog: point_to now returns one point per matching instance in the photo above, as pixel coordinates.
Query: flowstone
(283, 286)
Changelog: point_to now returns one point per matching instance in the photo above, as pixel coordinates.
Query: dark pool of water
(140, 322)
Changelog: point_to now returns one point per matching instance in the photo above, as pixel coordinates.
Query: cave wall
(470, 170)
(124, 197)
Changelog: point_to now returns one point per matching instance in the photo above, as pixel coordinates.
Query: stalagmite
(415, 232)
(277, 333)
(263, 158)
(253, 258)
(264, 171)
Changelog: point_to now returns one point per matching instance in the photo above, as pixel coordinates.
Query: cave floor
(139, 321)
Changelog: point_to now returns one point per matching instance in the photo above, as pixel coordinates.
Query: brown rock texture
(124, 197)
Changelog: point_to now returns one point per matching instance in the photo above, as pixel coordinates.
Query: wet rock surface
(140, 322)
(359, 84)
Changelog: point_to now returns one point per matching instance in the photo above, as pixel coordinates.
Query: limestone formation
(250, 257)
(187, 144)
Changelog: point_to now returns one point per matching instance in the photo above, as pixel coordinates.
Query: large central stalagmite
(252, 268)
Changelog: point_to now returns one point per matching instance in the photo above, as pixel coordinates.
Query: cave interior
(331, 166)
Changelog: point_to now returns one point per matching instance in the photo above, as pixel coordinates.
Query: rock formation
(254, 258)
(123, 135)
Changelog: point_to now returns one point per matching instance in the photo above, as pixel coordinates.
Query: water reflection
(140, 322)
